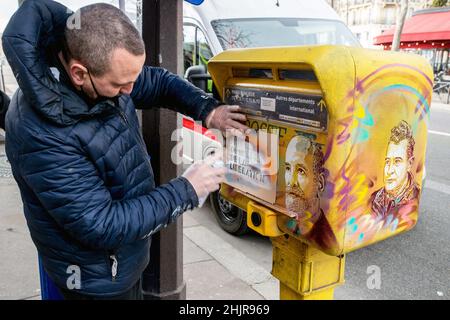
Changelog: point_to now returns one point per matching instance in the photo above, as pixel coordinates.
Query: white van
(217, 25)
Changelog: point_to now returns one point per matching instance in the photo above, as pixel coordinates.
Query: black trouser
(135, 293)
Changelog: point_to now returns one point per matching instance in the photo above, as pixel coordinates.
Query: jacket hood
(31, 40)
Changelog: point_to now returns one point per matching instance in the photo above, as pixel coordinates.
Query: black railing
(442, 87)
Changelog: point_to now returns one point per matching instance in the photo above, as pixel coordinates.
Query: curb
(234, 261)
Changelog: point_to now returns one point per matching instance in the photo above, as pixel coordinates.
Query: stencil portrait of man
(305, 180)
(399, 190)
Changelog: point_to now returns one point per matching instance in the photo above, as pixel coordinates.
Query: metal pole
(163, 278)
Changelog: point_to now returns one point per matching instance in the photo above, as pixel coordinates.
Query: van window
(204, 51)
(196, 50)
(270, 32)
(188, 46)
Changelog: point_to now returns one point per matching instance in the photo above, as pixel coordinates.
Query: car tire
(230, 218)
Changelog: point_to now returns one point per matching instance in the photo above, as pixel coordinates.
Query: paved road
(414, 265)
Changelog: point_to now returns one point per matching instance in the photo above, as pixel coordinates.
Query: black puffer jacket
(85, 177)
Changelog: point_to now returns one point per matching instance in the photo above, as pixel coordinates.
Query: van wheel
(231, 218)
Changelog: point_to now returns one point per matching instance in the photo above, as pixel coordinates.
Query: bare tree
(439, 3)
(122, 5)
(346, 12)
(399, 25)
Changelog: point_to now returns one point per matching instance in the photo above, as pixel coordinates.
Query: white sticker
(268, 104)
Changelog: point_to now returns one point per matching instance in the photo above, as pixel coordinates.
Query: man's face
(301, 185)
(119, 79)
(396, 166)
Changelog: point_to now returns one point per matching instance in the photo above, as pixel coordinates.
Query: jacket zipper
(114, 266)
(125, 119)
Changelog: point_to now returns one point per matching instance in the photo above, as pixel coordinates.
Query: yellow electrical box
(305, 270)
(337, 156)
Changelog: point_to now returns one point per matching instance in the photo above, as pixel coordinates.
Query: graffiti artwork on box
(362, 184)
(252, 164)
(377, 188)
(305, 178)
(350, 171)
(399, 194)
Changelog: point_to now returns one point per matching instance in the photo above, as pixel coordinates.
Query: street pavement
(414, 265)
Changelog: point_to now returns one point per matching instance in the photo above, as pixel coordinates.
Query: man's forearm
(159, 87)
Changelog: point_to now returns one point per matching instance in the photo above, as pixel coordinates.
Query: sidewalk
(213, 269)
(18, 267)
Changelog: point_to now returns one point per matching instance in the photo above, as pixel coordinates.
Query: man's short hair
(102, 28)
(401, 132)
(318, 159)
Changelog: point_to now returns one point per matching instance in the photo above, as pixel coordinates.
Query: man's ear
(78, 73)
(411, 162)
(321, 182)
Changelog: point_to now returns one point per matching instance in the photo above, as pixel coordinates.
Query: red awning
(427, 26)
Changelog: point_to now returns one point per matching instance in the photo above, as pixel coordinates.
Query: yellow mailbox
(350, 126)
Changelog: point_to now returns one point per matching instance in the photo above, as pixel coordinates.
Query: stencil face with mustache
(304, 180)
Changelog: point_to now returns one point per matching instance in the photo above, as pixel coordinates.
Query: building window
(189, 46)
(351, 18)
(390, 15)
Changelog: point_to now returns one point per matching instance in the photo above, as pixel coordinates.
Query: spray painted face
(396, 167)
(301, 185)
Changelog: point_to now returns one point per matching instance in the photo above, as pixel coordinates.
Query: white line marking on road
(437, 186)
(439, 133)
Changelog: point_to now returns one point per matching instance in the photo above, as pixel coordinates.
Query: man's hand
(227, 117)
(204, 177)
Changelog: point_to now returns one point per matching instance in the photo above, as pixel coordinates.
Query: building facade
(369, 18)
(426, 33)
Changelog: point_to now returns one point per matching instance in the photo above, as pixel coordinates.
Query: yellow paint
(304, 271)
(366, 94)
(287, 293)
(267, 220)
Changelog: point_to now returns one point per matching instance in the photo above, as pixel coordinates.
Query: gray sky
(7, 8)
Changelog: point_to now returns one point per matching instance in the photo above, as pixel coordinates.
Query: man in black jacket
(76, 151)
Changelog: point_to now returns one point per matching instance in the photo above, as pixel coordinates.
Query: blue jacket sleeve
(158, 87)
(68, 186)
(33, 31)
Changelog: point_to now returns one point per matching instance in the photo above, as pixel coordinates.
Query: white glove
(205, 177)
